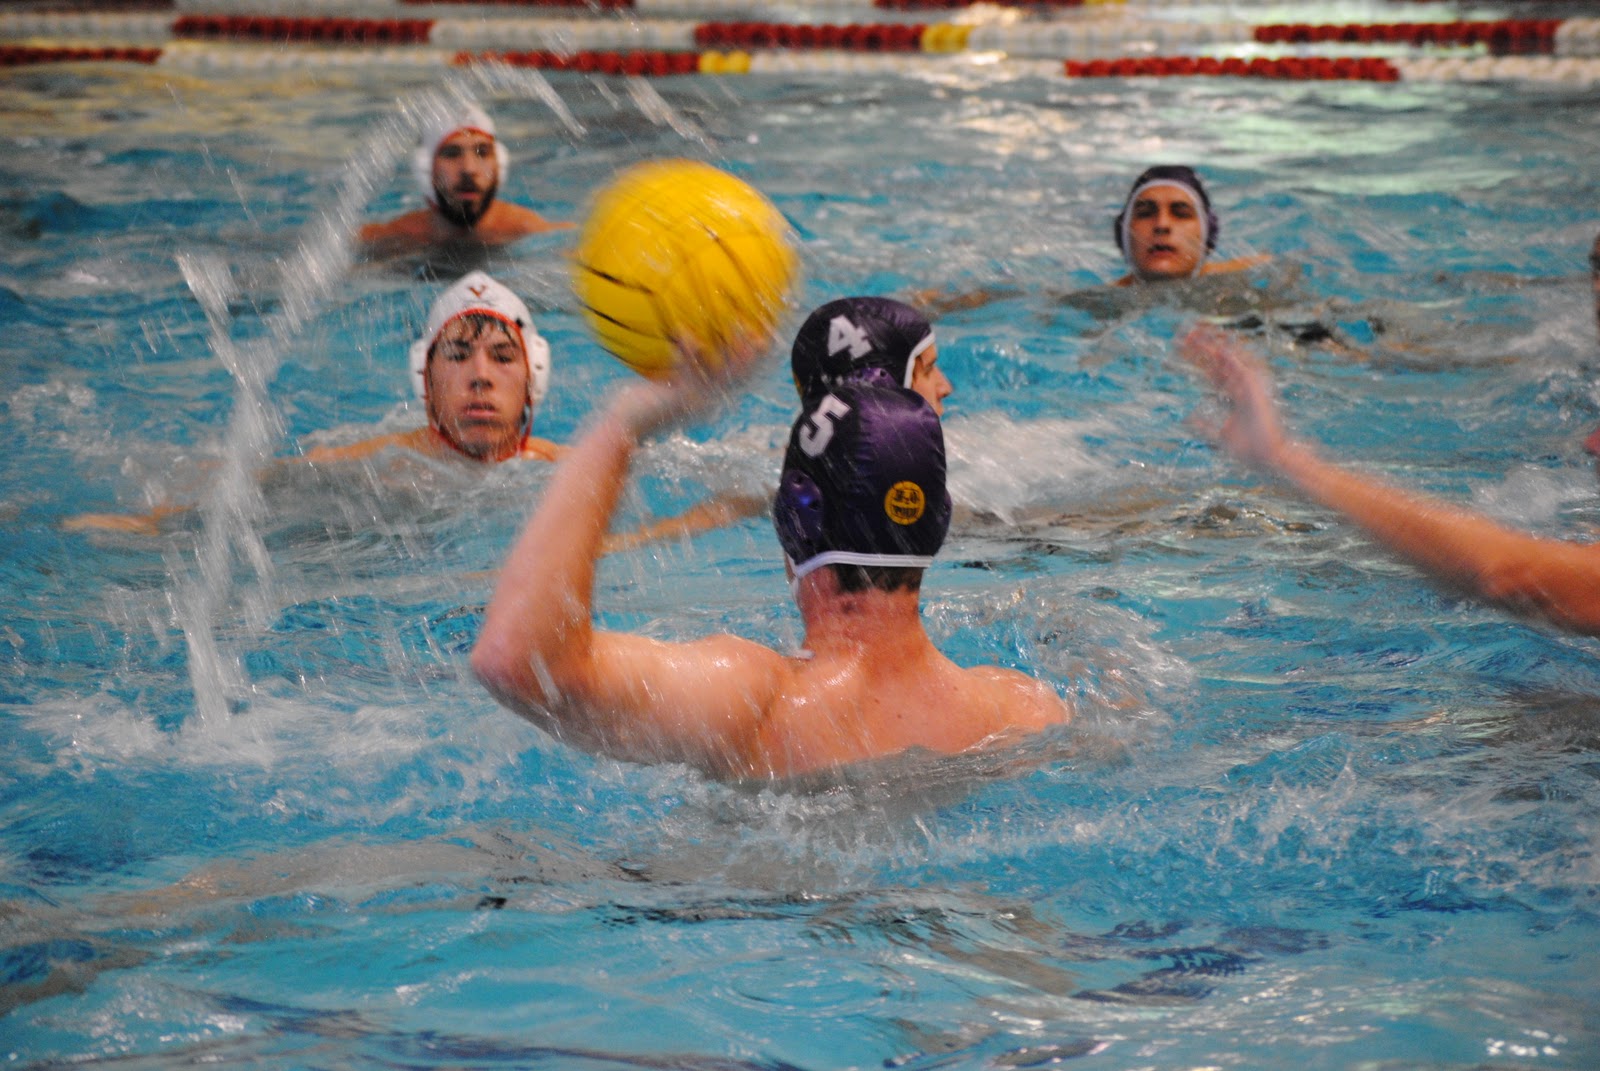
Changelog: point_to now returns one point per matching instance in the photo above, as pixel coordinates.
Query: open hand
(1253, 432)
(702, 377)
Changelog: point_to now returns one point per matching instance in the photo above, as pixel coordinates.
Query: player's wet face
(1166, 234)
(466, 174)
(477, 377)
(929, 380)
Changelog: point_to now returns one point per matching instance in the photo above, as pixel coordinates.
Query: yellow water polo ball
(679, 252)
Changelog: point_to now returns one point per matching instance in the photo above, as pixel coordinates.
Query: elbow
(507, 674)
(1525, 592)
(1502, 586)
(1520, 581)
(524, 684)
(1569, 599)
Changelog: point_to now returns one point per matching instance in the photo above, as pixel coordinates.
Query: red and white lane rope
(1096, 44)
(1092, 34)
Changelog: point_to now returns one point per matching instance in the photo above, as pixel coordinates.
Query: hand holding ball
(680, 257)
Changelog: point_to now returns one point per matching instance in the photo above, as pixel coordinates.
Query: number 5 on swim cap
(676, 252)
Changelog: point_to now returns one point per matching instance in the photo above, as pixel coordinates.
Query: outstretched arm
(1556, 580)
(717, 511)
(422, 440)
(137, 523)
(934, 302)
(629, 696)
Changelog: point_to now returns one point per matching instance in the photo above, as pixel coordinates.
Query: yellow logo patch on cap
(905, 503)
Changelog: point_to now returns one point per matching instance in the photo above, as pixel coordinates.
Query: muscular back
(836, 711)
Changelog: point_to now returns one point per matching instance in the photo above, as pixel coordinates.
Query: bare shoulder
(724, 649)
(358, 451)
(702, 669)
(705, 701)
(399, 233)
(1024, 701)
(1244, 263)
(541, 450)
(411, 225)
(508, 222)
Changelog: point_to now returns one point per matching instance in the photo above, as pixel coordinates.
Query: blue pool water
(1316, 812)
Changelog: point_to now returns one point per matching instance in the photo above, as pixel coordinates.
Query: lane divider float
(1086, 48)
(1296, 68)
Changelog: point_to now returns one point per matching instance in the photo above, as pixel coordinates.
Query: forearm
(1557, 580)
(712, 513)
(538, 625)
(139, 523)
(1464, 548)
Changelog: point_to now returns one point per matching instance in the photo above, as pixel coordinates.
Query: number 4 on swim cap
(844, 334)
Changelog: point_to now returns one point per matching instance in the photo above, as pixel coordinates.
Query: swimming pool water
(1315, 812)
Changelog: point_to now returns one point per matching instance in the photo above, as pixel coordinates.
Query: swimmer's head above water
(459, 163)
(863, 482)
(866, 338)
(460, 168)
(1167, 227)
(481, 368)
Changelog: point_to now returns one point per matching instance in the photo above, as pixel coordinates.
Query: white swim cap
(477, 292)
(437, 127)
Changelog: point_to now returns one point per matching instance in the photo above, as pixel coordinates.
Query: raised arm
(1556, 580)
(626, 695)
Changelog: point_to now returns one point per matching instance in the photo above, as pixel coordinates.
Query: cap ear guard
(538, 351)
(419, 366)
(798, 515)
(873, 376)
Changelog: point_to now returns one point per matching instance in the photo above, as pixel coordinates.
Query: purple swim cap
(843, 338)
(1166, 175)
(863, 481)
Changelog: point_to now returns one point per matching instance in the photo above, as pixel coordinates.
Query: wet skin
(477, 379)
(1166, 235)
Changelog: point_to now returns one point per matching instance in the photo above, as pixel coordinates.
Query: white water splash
(232, 505)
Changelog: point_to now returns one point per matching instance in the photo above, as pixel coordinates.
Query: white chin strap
(851, 557)
(911, 362)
